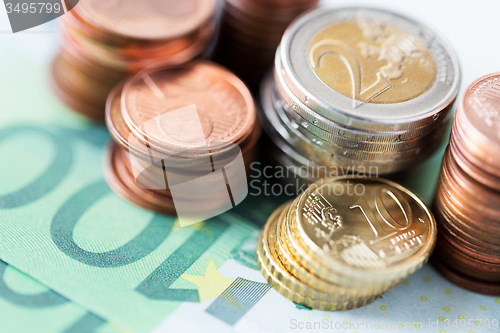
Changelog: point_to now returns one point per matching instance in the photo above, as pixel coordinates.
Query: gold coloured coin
(372, 61)
(371, 226)
(278, 277)
(292, 265)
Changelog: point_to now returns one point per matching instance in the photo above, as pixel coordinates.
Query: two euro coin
(359, 89)
(345, 241)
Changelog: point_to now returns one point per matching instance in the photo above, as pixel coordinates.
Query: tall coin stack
(184, 137)
(358, 90)
(467, 204)
(345, 241)
(105, 41)
(250, 32)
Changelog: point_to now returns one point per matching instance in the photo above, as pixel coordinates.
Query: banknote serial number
(32, 8)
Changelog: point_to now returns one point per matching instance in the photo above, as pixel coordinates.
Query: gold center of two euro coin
(371, 61)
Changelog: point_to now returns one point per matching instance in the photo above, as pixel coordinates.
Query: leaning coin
(275, 274)
(292, 265)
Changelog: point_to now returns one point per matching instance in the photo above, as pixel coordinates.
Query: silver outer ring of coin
(314, 133)
(329, 152)
(332, 128)
(321, 138)
(280, 136)
(418, 112)
(310, 142)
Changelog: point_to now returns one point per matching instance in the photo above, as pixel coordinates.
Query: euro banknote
(127, 269)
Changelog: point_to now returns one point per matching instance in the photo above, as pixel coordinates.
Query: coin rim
(330, 103)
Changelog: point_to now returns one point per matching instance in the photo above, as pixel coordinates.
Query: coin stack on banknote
(467, 204)
(104, 42)
(358, 89)
(175, 126)
(250, 32)
(345, 241)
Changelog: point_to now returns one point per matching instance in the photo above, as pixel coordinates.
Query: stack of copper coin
(251, 30)
(345, 241)
(467, 204)
(103, 42)
(173, 126)
(358, 90)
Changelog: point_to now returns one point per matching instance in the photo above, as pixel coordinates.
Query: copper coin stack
(250, 32)
(467, 204)
(103, 43)
(152, 119)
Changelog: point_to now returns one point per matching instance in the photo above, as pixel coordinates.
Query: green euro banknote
(62, 225)
(28, 306)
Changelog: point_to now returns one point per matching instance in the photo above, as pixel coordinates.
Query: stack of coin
(358, 89)
(467, 204)
(175, 126)
(104, 42)
(250, 32)
(345, 241)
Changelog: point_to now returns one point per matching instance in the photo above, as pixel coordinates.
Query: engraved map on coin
(365, 223)
(482, 104)
(372, 62)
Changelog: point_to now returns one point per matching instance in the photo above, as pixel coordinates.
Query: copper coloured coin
(71, 98)
(467, 189)
(484, 262)
(480, 153)
(464, 282)
(481, 108)
(121, 133)
(223, 103)
(471, 219)
(147, 20)
(123, 184)
(473, 169)
(467, 266)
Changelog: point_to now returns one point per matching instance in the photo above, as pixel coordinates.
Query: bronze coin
(147, 20)
(475, 214)
(466, 224)
(473, 170)
(468, 191)
(480, 115)
(224, 104)
(466, 248)
(118, 186)
(71, 98)
(464, 282)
